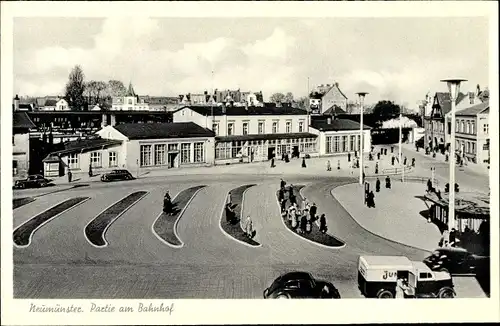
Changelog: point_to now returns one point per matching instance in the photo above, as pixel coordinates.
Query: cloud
(276, 45)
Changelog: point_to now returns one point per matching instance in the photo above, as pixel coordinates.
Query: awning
(467, 205)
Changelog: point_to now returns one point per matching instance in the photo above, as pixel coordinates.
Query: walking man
(377, 185)
(392, 160)
(272, 162)
(322, 224)
(388, 182)
(312, 211)
(404, 162)
(282, 183)
(413, 162)
(303, 162)
(328, 166)
(349, 157)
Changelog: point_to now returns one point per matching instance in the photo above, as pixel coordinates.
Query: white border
(47, 221)
(176, 220)
(113, 220)
(303, 238)
(222, 213)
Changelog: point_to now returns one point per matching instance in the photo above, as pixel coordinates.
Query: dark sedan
(32, 181)
(116, 175)
(456, 261)
(300, 285)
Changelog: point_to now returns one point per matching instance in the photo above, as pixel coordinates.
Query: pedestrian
(322, 224)
(446, 237)
(356, 154)
(283, 205)
(293, 218)
(388, 182)
(429, 185)
(287, 159)
(282, 183)
(404, 162)
(392, 149)
(357, 163)
(385, 151)
(349, 157)
(70, 176)
(338, 165)
(228, 213)
(376, 168)
(377, 185)
(364, 177)
(272, 162)
(378, 156)
(249, 227)
(313, 211)
(229, 198)
(371, 200)
(290, 191)
(303, 223)
(281, 194)
(400, 288)
(328, 166)
(167, 204)
(453, 237)
(90, 170)
(370, 157)
(392, 160)
(303, 162)
(413, 162)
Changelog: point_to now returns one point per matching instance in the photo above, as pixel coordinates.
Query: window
(215, 128)
(336, 145)
(245, 128)
(160, 154)
(186, 153)
(112, 159)
(301, 126)
(344, 144)
(288, 127)
(422, 276)
(230, 129)
(261, 127)
(235, 149)
(329, 144)
(223, 150)
(468, 147)
(275, 127)
(467, 129)
(292, 285)
(130, 101)
(13, 140)
(95, 159)
(457, 127)
(173, 147)
(145, 155)
(473, 148)
(462, 126)
(199, 155)
(352, 144)
(473, 128)
(73, 161)
(485, 128)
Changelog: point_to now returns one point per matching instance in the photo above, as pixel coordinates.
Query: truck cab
(377, 276)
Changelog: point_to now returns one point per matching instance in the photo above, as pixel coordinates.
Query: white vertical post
(432, 177)
(400, 143)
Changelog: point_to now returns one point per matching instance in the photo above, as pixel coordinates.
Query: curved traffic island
(314, 235)
(95, 230)
(18, 202)
(165, 225)
(231, 222)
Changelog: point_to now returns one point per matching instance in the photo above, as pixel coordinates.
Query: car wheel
(282, 296)
(384, 294)
(446, 293)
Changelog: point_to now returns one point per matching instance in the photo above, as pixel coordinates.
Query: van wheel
(446, 293)
(384, 294)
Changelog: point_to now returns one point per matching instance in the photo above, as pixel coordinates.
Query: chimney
(205, 93)
(16, 103)
(471, 97)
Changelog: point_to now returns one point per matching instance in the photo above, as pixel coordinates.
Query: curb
(373, 233)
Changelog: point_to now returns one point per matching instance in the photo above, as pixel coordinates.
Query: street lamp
(400, 144)
(361, 96)
(454, 88)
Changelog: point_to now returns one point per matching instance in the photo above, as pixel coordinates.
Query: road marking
(303, 238)
(177, 219)
(241, 211)
(113, 219)
(18, 232)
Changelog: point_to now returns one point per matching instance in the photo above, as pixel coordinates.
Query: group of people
(370, 196)
(300, 219)
(231, 218)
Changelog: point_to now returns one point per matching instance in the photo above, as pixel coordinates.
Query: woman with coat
(322, 224)
(303, 224)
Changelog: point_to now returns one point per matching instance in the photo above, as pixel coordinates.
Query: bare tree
(75, 88)
(288, 98)
(277, 98)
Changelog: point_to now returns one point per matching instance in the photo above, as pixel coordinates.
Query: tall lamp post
(361, 96)
(454, 88)
(400, 144)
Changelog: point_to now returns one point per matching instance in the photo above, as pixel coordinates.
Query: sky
(398, 59)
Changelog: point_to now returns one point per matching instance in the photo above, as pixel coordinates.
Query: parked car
(377, 278)
(457, 261)
(117, 175)
(32, 181)
(300, 285)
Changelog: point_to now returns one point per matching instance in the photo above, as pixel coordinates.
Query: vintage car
(115, 175)
(32, 181)
(456, 261)
(300, 285)
(377, 276)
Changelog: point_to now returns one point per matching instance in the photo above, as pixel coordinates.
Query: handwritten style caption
(102, 308)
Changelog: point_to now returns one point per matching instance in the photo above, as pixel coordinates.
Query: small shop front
(262, 147)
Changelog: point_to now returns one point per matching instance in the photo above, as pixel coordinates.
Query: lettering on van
(389, 275)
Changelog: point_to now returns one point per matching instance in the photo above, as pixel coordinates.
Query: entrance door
(295, 151)
(172, 162)
(270, 152)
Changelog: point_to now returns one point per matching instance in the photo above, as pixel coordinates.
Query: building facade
(325, 97)
(21, 125)
(246, 133)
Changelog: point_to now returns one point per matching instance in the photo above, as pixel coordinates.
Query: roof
(470, 203)
(474, 110)
(85, 145)
(21, 120)
(334, 109)
(266, 136)
(295, 276)
(321, 123)
(50, 102)
(163, 130)
(445, 101)
(388, 261)
(52, 159)
(206, 110)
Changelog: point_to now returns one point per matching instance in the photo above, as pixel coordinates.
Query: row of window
(261, 127)
(157, 155)
(465, 127)
(237, 149)
(468, 147)
(342, 144)
(95, 160)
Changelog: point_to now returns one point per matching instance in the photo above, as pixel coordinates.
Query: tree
(385, 109)
(116, 88)
(75, 88)
(288, 97)
(277, 98)
(302, 102)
